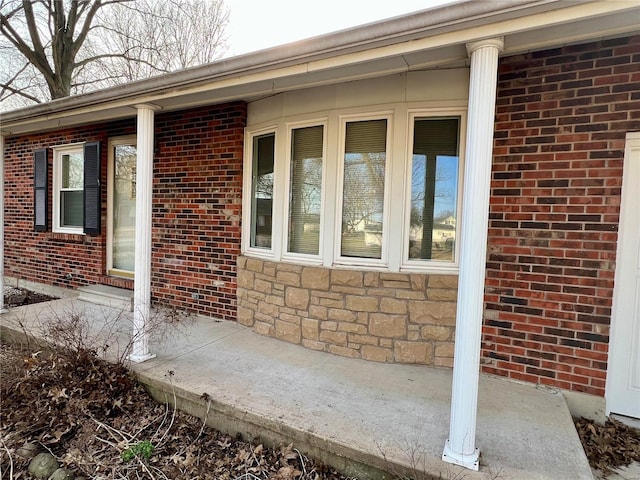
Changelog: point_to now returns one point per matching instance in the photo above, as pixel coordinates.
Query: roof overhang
(428, 39)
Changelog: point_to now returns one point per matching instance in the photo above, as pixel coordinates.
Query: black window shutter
(40, 190)
(91, 196)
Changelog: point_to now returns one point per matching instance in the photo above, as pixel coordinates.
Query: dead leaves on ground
(609, 446)
(87, 412)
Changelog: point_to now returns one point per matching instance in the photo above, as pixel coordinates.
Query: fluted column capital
(147, 106)
(495, 42)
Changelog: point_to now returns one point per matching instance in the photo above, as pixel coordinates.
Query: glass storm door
(122, 204)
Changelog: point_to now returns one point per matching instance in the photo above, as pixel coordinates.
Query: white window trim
(302, 257)
(427, 265)
(381, 262)
(114, 142)
(397, 182)
(58, 151)
(247, 197)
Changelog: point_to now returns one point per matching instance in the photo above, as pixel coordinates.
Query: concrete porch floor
(359, 416)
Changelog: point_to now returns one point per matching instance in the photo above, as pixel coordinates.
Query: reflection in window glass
(71, 202)
(434, 186)
(363, 188)
(124, 207)
(305, 190)
(262, 190)
(72, 171)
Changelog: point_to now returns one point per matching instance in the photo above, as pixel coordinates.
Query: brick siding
(197, 197)
(60, 259)
(197, 202)
(561, 120)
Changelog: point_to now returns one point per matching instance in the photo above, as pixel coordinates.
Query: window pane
(71, 214)
(262, 190)
(72, 171)
(124, 207)
(434, 187)
(305, 190)
(363, 188)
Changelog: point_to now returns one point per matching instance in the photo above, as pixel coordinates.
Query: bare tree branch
(20, 92)
(38, 49)
(72, 46)
(97, 58)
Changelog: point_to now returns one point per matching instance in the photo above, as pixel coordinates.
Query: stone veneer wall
(384, 317)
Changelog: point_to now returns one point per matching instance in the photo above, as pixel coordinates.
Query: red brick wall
(561, 120)
(49, 257)
(196, 210)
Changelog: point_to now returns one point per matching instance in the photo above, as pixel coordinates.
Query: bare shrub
(78, 328)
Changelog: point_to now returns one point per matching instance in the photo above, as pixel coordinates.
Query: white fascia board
(538, 22)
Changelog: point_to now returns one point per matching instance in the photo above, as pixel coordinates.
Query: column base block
(141, 358)
(472, 461)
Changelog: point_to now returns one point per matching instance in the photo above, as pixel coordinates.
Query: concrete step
(630, 421)
(108, 296)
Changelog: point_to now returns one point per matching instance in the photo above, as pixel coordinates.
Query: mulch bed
(17, 297)
(99, 422)
(609, 446)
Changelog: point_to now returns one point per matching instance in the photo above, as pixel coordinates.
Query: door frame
(620, 342)
(114, 142)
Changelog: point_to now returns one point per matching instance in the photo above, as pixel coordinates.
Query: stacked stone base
(378, 316)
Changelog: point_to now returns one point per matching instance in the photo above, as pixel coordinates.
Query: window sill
(120, 274)
(431, 268)
(67, 237)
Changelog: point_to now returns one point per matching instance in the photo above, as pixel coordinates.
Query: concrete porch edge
(228, 419)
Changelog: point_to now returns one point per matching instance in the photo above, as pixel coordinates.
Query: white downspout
(2, 308)
(460, 448)
(142, 267)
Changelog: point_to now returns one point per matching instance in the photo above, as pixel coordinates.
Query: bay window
(377, 189)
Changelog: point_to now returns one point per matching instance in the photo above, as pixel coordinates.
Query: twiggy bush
(88, 330)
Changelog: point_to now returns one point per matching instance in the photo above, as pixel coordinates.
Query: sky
(258, 24)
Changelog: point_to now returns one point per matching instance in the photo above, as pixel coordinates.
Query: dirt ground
(101, 424)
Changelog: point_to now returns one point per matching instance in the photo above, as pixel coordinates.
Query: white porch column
(2, 309)
(142, 269)
(460, 448)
